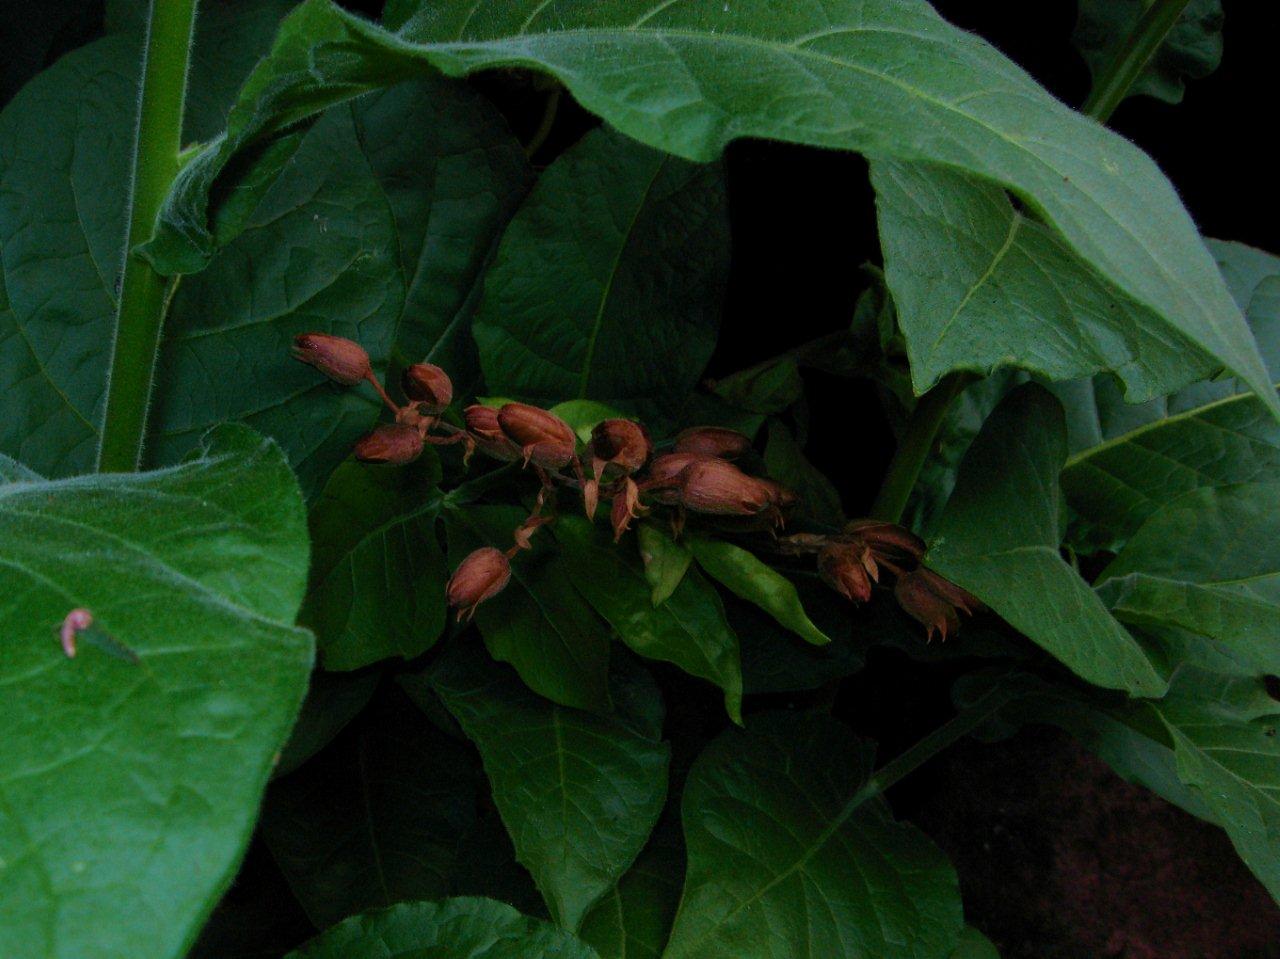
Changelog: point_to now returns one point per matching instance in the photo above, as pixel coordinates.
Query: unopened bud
(395, 443)
(716, 486)
(543, 438)
(888, 541)
(713, 441)
(620, 443)
(848, 569)
(482, 575)
(426, 383)
(343, 361)
(933, 601)
(664, 474)
(482, 425)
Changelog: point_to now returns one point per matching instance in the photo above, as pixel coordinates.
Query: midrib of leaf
(585, 376)
(981, 281)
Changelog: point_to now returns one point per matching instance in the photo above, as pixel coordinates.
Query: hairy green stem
(913, 449)
(140, 315)
(1112, 85)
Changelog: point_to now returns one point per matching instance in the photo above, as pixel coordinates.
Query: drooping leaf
(688, 629)
(129, 784)
(999, 536)
(378, 573)
(540, 623)
(1191, 51)
(890, 78)
(1207, 562)
(376, 818)
(979, 285)
(749, 578)
(633, 919)
(464, 928)
(665, 560)
(609, 281)
(579, 793)
(787, 852)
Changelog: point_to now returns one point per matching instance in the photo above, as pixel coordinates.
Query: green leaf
(979, 285)
(1208, 562)
(378, 573)
(376, 818)
(464, 928)
(999, 535)
(665, 561)
(333, 700)
(688, 629)
(609, 281)
(785, 846)
(634, 918)
(785, 462)
(974, 945)
(129, 784)
(749, 578)
(539, 624)
(1192, 50)
(579, 793)
(768, 389)
(892, 79)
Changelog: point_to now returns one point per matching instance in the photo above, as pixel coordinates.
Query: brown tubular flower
(482, 575)
(716, 486)
(543, 438)
(482, 425)
(429, 385)
(849, 569)
(620, 443)
(713, 441)
(934, 602)
(395, 443)
(343, 361)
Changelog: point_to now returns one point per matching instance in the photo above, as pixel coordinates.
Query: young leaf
(748, 578)
(452, 927)
(688, 629)
(539, 624)
(124, 785)
(579, 793)
(378, 573)
(785, 847)
(1208, 562)
(376, 818)
(892, 78)
(665, 561)
(999, 535)
(634, 918)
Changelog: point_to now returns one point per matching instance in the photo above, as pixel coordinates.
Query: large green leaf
(129, 783)
(376, 818)
(1208, 562)
(889, 78)
(1192, 50)
(579, 793)
(979, 285)
(789, 858)
(609, 281)
(461, 928)
(378, 574)
(999, 535)
(539, 623)
(688, 628)
(974, 945)
(633, 919)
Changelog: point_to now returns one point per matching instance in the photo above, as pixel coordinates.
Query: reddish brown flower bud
(665, 470)
(544, 439)
(395, 443)
(343, 361)
(620, 443)
(482, 575)
(429, 385)
(848, 569)
(932, 601)
(888, 541)
(482, 425)
(716, 486)
(713, 441)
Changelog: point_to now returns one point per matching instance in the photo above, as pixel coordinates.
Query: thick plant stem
(1112, 86)
(140, 314)
(913, 449)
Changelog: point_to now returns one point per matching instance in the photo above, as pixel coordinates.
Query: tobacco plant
(496, 235)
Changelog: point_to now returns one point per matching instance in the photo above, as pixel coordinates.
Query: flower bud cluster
(698, 474)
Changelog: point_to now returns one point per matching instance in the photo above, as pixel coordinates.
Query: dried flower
(482, 575)
(395, 443)
(543, 438)
(482, 425)
(849, 569)
(626, 507)
(429, 385)
(933, 601)
(343, 361)
(619, 443)
(888, 541)
(713, 441)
